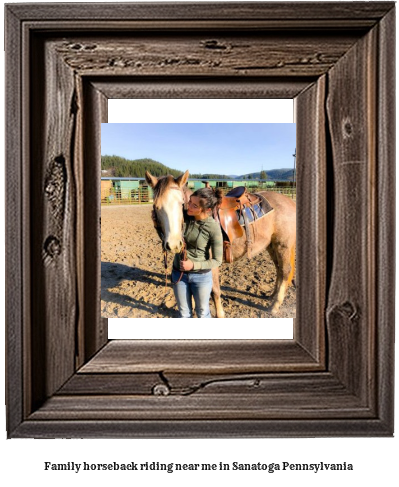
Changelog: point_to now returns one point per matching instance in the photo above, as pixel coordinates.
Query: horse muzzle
(174, 247)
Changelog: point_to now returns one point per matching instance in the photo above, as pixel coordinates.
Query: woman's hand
(186, 265)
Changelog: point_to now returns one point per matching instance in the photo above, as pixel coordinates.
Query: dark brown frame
(336, 376)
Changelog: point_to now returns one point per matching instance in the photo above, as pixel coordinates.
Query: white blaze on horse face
(171, 218)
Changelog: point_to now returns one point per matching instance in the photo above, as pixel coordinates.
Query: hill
(283, 174)
(119, 167)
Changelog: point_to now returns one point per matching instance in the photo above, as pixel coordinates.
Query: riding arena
(135, 277)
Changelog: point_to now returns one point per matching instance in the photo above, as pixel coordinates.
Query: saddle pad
(256, 211)
(265, 205)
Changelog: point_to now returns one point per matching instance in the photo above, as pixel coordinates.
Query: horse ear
(151, 180)
(182, 180)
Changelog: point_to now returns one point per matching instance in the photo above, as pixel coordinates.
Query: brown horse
(276, 232)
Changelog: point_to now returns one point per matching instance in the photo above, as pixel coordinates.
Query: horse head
(169, 197)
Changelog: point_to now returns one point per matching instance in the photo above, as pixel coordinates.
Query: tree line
(119, 167)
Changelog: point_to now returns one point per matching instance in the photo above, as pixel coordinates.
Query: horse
(275, 231)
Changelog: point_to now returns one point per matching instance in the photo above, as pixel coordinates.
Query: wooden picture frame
(335, 378)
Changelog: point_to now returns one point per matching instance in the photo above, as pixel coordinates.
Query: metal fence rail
(144, 195)
(290, 192)
(126, 196)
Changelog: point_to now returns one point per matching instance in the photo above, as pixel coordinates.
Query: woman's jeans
(194, 285)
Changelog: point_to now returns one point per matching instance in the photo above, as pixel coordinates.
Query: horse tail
(292, 262)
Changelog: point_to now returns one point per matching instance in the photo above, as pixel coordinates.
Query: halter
(182, 253)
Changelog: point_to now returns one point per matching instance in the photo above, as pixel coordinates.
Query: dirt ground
(133, 277)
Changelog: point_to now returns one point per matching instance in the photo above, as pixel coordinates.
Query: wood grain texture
(239, 55)
(64, 63)
(112, 384)
(385, 218)
(200, 356)
(351, 109)
(53, 213)
(208, 11)
(194, 87)
(203, 407)
(185, 384)
(250, 428)
(95, 330)
(277, 396)
(312, 240)
(15, 258)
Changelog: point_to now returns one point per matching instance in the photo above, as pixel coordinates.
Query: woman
(204, 245)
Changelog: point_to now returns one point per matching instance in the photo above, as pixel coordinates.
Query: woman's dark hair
(209, 197)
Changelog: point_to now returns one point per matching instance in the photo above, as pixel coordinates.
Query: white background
(374, 459)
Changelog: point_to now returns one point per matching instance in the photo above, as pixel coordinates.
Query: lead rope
(165, 261)
(183, 256)
(158, 227)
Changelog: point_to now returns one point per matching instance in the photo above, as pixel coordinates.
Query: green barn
(124, 189)
(136, 190)
(227, 184)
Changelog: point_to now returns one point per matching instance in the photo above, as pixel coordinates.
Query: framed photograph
(65, 378)
(230, 153)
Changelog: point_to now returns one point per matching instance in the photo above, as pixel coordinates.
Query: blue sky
(222, 148)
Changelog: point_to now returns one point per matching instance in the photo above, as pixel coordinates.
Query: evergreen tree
(125, 168)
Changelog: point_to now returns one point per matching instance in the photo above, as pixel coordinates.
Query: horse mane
(161, 188)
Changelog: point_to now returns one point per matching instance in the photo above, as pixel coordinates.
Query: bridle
(158, 228)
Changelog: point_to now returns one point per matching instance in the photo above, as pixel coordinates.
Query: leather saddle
(236, 212)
